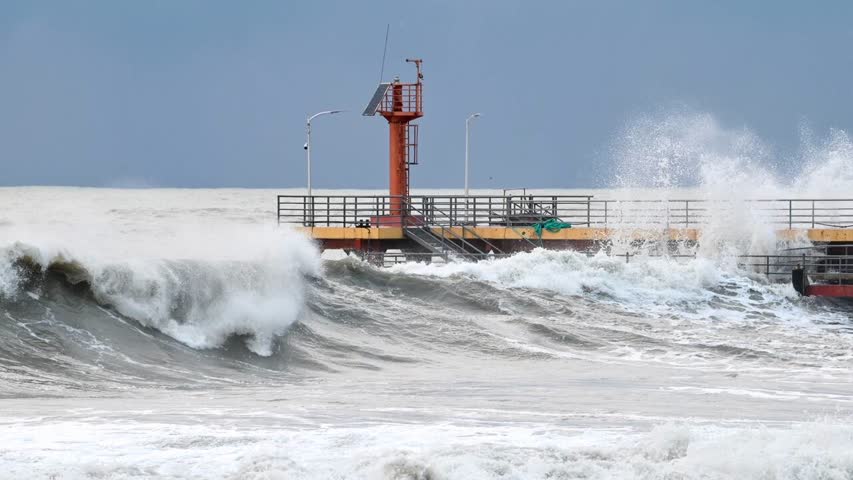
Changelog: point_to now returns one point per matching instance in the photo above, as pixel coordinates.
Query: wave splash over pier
(176, 333)
(679, 154)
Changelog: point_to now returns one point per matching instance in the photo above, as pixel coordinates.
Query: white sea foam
(639, 280)
(405, 452)
(198, 284)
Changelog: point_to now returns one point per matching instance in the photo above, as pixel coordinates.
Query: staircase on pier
(439, 245)
(439, 237)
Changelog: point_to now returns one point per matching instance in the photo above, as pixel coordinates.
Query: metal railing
(581, 211)
(386, 259)
(449, 211)
(828, 262)
(828, 268)
(402, 97)
(822, 265)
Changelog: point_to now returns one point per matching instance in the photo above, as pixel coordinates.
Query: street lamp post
(308, 141)
(467, 123)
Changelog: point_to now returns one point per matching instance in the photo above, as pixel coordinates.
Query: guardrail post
(790, 214)
(767, 265)
(605, 212)
(812, 213)
(687, 214)
(588, 210)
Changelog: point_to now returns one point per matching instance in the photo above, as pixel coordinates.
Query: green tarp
(552, 225)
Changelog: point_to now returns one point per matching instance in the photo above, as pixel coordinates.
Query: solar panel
(378, 95)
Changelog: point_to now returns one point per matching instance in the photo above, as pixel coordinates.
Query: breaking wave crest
(692, 313)
(201, 302)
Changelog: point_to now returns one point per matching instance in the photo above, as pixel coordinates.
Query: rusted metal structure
(399, 103)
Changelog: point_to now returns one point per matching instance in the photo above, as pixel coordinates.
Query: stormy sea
(178, 333)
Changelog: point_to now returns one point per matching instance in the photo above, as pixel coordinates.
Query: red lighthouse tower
(400, 103)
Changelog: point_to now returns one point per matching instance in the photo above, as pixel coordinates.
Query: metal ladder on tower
(411, 151)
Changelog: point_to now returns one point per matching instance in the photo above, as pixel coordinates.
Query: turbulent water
(178, 334)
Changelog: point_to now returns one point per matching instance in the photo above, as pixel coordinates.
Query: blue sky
(211, 93)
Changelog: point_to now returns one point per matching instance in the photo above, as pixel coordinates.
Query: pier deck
(503, 224)
(569, 234)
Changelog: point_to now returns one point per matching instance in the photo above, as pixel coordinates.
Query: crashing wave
(199, 302)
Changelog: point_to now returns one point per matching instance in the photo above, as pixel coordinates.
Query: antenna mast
(384, 52)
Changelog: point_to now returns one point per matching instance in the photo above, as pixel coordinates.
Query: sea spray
(827, 166)
(687, 155)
